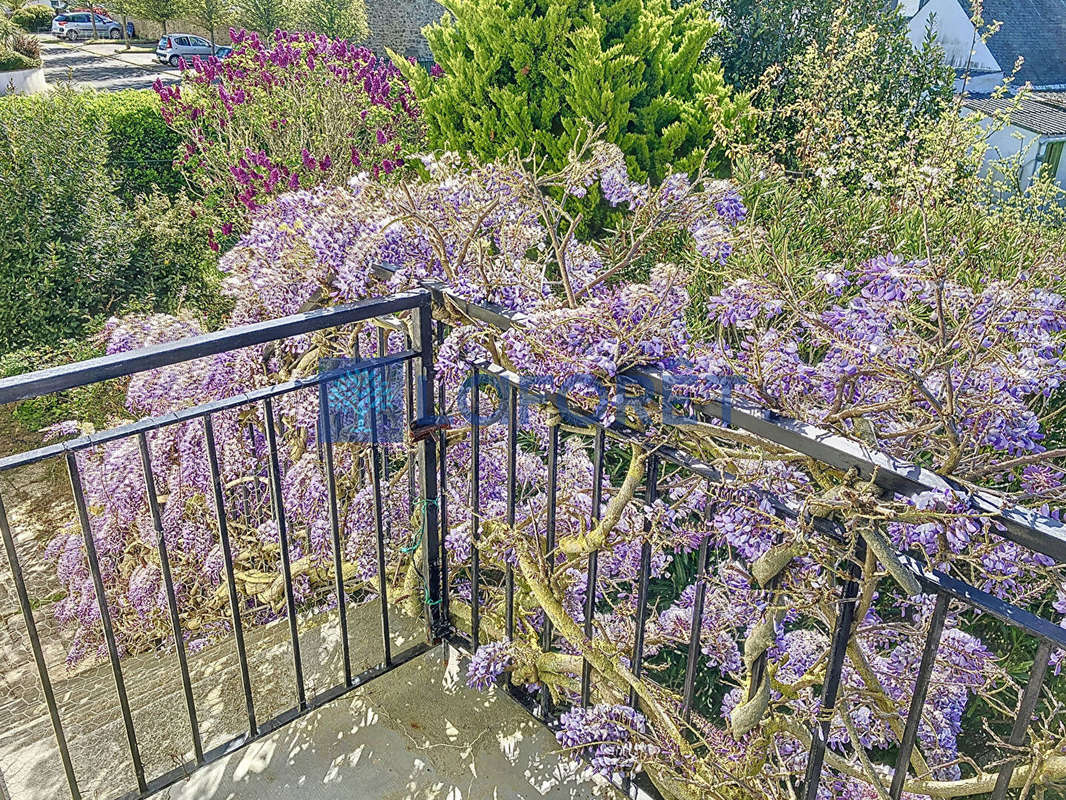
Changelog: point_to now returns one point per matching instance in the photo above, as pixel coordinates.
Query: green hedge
(140, 145)
(75, 245)
(10, 61)
(33, 18)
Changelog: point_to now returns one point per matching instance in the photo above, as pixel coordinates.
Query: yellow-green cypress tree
(525, 75)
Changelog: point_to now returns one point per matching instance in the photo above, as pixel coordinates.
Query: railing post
(427, 463)
(1026, 707)
(841, 637)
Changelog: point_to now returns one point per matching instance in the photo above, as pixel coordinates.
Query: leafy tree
(32, 18)
(211, 14)
(161, 11)
(338, 19)
(532, 75)
(865, 107)
(123, 9)
(9, 32)
(264, 16)
(758, 34)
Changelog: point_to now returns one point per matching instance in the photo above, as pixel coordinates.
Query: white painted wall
(955, 34)
(23, 81)
(1018, 148)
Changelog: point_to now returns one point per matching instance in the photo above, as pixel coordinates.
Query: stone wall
(397, 24)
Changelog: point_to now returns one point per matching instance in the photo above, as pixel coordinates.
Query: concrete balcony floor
(417, 733)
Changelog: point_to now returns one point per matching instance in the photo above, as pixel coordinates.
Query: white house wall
(955, 34)
(1013, 145)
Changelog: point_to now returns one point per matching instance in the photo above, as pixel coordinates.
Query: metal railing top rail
(931, 580)
(1035, 531)
(130, 362)
(193, 412)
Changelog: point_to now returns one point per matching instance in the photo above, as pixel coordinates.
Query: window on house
(1052, 158)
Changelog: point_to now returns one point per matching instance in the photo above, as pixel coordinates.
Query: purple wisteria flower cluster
(612, 737)
(487, 664)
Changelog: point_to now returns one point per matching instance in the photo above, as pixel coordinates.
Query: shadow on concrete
(416, 733)
(83, 68)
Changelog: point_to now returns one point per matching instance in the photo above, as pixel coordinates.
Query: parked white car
(79, 25)
(181, 45)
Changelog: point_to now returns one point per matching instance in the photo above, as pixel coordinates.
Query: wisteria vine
(957, 372)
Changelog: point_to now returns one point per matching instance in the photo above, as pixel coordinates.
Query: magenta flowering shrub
(958, 374)
(291, 111)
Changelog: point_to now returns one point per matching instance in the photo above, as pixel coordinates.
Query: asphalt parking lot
(103, 66)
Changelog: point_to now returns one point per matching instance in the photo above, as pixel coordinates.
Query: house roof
(1040, 112)
(1052, 98)
(1032, 29)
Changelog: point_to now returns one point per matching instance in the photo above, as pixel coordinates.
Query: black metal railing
(420, 382)
(1031, 530)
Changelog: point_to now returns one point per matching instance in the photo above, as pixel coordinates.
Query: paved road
(89, 68)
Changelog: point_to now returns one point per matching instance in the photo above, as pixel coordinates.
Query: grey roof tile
(1031, 113)
(1033, 29)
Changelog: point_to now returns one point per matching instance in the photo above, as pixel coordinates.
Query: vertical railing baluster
(431, 540)
(698, 601)
(38, 654)
(411, 414)
(388, 499)
(283, 537)
(841, 637)
(475, 509)
(651, 492)
(105, 618)
(594, 560)
(172, 601)
(442, 460)
(335, 529)
(512, 501)
(231, 582)
(379, 529)
(547, 631)
(921, 689)
(1026, 707)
